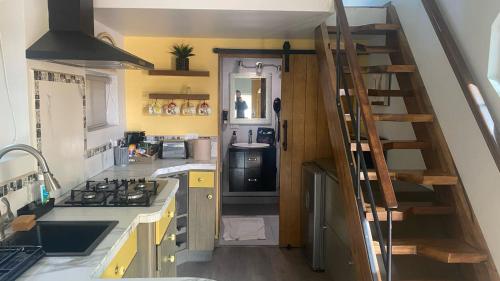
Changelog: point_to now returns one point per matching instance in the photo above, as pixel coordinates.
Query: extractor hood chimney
(70, 40)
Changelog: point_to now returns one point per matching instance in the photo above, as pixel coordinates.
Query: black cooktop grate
(17, 259)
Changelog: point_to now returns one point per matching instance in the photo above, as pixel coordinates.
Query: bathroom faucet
(51, 183)
(250, 138)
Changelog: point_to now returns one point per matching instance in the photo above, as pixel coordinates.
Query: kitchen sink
(63, 238)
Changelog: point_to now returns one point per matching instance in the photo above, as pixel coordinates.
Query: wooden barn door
(305, 138)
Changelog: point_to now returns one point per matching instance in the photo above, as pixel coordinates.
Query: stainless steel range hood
(71, 41)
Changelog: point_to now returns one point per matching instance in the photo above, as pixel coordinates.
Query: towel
(243, 228)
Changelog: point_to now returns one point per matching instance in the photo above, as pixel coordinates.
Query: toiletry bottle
(44, 195)
(233, 138)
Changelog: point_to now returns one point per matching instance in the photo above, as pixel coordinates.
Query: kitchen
(242, 140)
(127, 191)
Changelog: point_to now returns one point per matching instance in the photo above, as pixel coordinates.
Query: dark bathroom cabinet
(252, 169)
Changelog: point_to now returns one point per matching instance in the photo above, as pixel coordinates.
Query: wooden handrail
(470, 87)
(328, 79)
(362, 94)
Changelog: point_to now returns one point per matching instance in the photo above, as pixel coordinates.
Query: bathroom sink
(250, 145)
(63, 238)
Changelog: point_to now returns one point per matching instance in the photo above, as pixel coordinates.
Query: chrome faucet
(250, 136)
(51, 183)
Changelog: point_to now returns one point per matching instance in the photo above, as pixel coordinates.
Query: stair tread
(424, 177)
(389, 145)
(443, 250)
(399, 117)
(381, 93)
(388, 93)
(405, 211)
(375, 28)
(393, 68)
(362, 49)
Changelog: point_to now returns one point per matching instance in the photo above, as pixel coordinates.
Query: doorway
(250, 151)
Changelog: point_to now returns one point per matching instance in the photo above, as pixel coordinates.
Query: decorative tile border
(57, 77)
(98, 150)
(17, 183)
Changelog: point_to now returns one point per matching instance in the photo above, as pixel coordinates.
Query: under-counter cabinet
(252, 170)
(149, 251)
(120, 263)
(167, 266)
(201, 226)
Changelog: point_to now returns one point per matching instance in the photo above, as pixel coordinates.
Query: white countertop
(90, 267)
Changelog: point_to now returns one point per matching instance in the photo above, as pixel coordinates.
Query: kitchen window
(101, 101)
(494, 60)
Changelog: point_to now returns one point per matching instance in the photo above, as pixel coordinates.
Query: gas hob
(113, 193)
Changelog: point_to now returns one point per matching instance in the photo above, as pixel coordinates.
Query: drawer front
(237, 180)
(119, 265)
(253, 159)
(166, 253)
(162, 224)
(236, 159)
(201, 179)
(253, 179)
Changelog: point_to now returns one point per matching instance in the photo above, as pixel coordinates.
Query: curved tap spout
(50, 182)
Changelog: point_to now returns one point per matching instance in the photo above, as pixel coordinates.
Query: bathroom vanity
(252, 170)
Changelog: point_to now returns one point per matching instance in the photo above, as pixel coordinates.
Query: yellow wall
(156, 50)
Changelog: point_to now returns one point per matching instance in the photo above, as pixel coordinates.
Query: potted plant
(182, 52)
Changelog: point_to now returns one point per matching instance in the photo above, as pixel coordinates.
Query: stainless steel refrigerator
(313, 182)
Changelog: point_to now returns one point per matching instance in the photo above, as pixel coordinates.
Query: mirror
(250, 98)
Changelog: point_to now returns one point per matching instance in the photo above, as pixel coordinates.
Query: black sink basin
(64, 238)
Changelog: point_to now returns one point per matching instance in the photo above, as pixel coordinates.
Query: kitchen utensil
(150, 109)
(157, 108)
(204, 109)
(23, 223)
(121, 156)
(171, 108)
(188, 108)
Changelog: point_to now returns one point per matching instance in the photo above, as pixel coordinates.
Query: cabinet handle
(171, 237)
(253, 180)
(210, 196)
(119, 270)
(252, 159)
(170, 258)
(200, 179)
(170, 214)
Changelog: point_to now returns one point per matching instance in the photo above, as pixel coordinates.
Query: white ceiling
(233, 5)
(211, 23)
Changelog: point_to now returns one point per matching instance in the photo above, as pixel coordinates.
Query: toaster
(173, 149)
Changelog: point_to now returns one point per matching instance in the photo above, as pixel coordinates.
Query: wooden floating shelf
(175, 96)
(168, 72)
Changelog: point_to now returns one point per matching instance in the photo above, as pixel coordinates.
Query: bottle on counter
(233, 138)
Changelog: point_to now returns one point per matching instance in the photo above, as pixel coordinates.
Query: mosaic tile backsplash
(98, 150)
(16, 184)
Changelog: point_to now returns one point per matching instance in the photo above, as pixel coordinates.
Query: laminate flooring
(253, 264)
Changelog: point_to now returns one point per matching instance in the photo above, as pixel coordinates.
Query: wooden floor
(253, 264)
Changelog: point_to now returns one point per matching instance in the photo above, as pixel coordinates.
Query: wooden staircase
(458, 240)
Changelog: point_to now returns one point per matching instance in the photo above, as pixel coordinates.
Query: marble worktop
(91, 267)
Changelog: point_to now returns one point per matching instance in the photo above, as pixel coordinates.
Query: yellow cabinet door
(120, 263)
(162, 225)
(201, 179)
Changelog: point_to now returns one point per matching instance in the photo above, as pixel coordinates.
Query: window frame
(91, 99)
